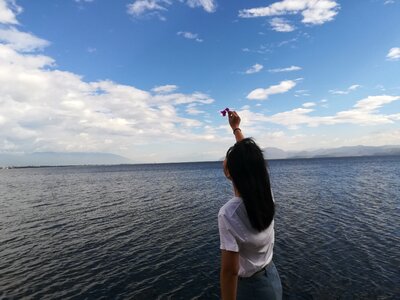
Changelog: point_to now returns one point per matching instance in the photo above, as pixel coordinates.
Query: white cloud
(365, 112)
(164, 89)
(254, 69)
(262, 49)
(354, 87)
(190, 36)
(45, 109)
(8, 12)
(301, 93)
(288, 42)
(288, 69)
(29, 62)
(281, 25)
(208, 5)
(191, 109)
(347, 91)
(378, 138)
(394, 54)
(178, 98)
(309, 104)
(338, 92)
(293, 118)
(313, 11)
(21, 41)
(372, 103)
(263, 94)
(142, 7)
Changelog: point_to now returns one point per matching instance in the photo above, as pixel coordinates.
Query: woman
(246, 224)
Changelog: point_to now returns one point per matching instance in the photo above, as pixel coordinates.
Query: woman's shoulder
(230, 207)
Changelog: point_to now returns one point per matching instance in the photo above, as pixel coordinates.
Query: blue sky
(146, 79)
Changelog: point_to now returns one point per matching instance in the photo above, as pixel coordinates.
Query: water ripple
(150, 231)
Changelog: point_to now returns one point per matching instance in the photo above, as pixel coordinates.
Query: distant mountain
(276, 153)
(61, 159)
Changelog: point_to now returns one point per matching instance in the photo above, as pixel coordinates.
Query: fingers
(232, 113)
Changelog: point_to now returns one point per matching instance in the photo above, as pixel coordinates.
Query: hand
(234, 119)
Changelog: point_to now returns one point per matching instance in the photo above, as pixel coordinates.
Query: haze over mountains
(61, 159)
(276, 153)
(89, 158)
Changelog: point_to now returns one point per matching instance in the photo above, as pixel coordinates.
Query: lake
(150, 231)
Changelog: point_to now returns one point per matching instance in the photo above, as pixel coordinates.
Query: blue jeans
(265, 286)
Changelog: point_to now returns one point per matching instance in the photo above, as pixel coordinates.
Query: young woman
(246, 224)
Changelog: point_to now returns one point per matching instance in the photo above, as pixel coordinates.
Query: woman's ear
(227, 175)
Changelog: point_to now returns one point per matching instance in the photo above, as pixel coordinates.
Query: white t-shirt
(236, 234)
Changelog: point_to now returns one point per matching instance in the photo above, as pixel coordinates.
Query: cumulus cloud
(9, 11)
(365, 112)
(354, 87)
(208, 5)
(191, 109)
(31, 61)
(288, 69)
(45, 109)
(140, 8)
(281, 25)
(347, 91)
(144, 7)
(254, 69)
(190, 36)
(393, 54)
(21, 41)
(164, 89)
(263, 94)
(313, 11)
(309, 104)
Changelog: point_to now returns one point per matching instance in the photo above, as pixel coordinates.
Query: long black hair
(247, 168)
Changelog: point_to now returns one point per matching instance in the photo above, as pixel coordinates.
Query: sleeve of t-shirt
(226, 235)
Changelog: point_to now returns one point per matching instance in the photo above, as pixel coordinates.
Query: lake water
(150, 231)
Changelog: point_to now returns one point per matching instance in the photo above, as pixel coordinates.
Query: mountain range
(94, 158)
(61, 158)
(276, 153)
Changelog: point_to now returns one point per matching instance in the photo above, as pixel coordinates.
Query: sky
(146, 79)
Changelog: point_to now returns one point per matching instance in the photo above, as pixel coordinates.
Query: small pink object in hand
(223, 112)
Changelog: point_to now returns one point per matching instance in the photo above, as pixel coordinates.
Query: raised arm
(234, 122)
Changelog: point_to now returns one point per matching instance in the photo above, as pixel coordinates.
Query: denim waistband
(256, 274)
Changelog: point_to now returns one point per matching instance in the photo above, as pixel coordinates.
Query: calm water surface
(150, 231)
